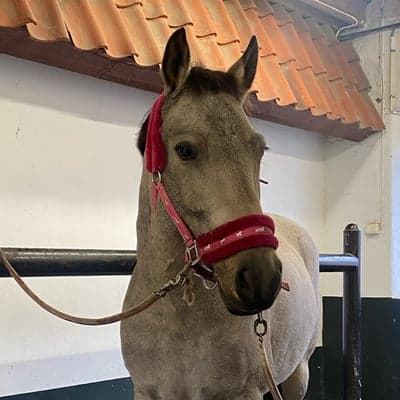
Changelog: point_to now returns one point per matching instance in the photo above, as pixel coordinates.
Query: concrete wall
(69, 173)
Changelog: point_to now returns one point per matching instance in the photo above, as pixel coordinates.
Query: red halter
(230, 238)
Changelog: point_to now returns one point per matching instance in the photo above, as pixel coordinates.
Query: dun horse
(174, 351)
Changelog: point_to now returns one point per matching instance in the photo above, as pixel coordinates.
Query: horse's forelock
(202, 81)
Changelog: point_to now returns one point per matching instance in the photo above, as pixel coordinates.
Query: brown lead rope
(260, 329)
(260, 325)
(143, 305)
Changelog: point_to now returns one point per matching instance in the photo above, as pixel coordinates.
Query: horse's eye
(186, 151)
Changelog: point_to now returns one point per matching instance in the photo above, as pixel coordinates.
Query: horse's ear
(245, 68)
(176, 61)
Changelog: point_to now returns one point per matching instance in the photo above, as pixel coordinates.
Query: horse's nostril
(250, 285)
(257, 287)
(244, 284)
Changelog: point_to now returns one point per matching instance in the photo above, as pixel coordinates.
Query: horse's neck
(160, 253)
(160, 249)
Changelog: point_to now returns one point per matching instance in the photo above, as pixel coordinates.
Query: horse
(203, 348)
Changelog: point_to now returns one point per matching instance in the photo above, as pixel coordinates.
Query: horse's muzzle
(257, 279)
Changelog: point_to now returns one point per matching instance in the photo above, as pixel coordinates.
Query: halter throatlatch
(243, 233)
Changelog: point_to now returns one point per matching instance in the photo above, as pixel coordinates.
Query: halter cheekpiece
(250, 231)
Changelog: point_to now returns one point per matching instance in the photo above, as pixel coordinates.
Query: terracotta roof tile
(283, 89)
(265, 44)
(248, 5)
(329, 61)
(147, 51)
(325, 85)
(299, 22)
(49, 21)
(348, 51)
(202, 22)
(312, 52)
(347, 109)
(298, 86)
(15, 13)
(321, 104)
(314, 28)
(281, 15)
(86, 36)
(230, 52)
(263, 8)
(359, 74)
(265, 84)
(127, 3)
(328, 33)
(224, 27)
(296, 46)
(303, 73)
(242, 24)
(154, 9)
(160, 32)
(277, 38)
(178, 14)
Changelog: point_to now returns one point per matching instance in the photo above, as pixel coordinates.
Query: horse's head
(212, 167)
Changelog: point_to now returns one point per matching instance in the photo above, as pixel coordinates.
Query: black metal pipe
(337, 262)
(69, 262)
(77, 262)
(351, 334)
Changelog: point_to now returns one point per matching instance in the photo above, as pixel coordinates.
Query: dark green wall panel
(380, 360)
(117, 389)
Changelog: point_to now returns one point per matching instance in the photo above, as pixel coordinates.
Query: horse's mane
(199, 81)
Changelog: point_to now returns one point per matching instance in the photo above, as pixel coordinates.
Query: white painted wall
(393, 123)
(363, 179)
(69, 173)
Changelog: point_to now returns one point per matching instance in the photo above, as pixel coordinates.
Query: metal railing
(68, 262)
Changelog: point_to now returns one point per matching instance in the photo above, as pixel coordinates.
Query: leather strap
(179, 281)
(187, 236)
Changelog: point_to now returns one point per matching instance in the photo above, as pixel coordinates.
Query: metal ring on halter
(260, 326)
(156, 178)
(209, 285)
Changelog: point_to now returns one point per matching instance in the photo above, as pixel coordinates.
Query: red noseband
(240, 234)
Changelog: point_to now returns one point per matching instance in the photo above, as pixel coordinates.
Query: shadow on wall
(49, 87)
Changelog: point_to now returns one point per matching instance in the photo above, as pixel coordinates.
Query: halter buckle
(192, 254)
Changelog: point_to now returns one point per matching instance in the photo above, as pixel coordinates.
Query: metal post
(352, 316)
